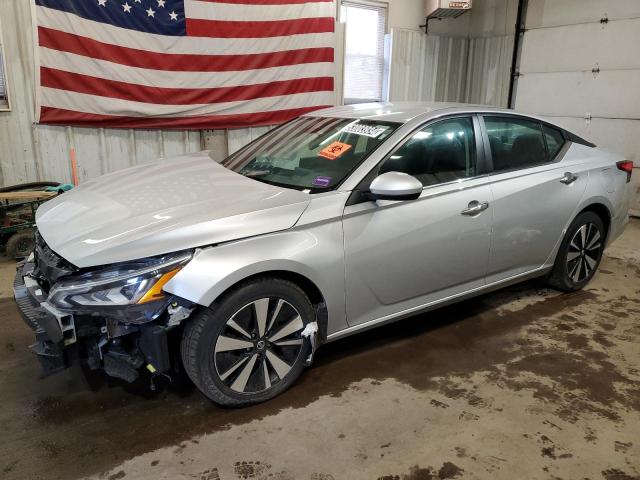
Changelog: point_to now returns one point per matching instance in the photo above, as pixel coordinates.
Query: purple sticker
(321, 181)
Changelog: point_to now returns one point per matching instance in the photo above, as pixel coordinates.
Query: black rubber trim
(572, 137)
(412, 196)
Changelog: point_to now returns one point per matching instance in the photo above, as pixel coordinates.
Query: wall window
(4, 91)
(364, 51)
(515, 143)
(442, 152)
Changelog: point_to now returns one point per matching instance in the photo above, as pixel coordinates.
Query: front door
(401, 255)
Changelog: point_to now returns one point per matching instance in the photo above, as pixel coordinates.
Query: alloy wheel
(258, 345)
(584, 252)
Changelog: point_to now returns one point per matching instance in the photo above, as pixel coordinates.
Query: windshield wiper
(276, 184)
(255, 173)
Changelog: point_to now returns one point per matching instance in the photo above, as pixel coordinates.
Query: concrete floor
(524, 383)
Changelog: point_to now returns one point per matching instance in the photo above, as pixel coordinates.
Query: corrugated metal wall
(31, 152)
(427, 67)
(580, 67)
(456, 69)
(488, 70)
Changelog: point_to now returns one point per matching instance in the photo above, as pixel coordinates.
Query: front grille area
(49, 266)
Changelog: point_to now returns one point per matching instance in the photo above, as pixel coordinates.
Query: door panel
(531, 207)
(400, 255)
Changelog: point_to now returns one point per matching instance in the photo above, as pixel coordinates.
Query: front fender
(314, 253)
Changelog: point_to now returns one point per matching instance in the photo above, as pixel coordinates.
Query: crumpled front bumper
(54, 330)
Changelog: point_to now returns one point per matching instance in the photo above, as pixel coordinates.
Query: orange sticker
(334, 150)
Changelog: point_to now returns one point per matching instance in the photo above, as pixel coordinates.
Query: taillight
(626, 166)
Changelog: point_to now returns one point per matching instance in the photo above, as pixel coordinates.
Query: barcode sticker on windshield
(367, 130)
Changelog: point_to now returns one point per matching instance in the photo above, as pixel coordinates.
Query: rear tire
(579, 254)
(247, 347)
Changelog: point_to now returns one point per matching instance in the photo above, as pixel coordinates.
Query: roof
(403, 112)
(398, 111)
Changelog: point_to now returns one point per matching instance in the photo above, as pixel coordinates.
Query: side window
(515, 143)
(442, 152)
(555, 140)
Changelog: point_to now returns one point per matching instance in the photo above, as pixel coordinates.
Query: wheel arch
(600, 209)
(312, 259)
(196, 285)
(307, 285)
(600, 206)
(559, 277)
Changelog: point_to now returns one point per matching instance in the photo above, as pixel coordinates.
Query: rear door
(535, 193)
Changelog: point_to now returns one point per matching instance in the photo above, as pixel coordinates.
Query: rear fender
(586, 201)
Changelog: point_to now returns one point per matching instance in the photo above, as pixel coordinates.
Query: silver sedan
(336, 222)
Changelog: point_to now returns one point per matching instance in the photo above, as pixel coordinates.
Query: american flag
(198, 64)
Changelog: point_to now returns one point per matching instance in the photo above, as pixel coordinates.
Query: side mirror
(395, 186)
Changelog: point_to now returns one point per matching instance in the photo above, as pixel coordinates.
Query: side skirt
(439, 303)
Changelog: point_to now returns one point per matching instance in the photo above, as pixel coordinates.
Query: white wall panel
(427, 67)
(31, 152)
(491, 18)
(551, 13)
(457, 69)
(612, 93)
(581, 47)
(405, 13)
(49, 143)
(238, 138)
(488, 71)
(564, 41)
(451, 70)
(412, 64)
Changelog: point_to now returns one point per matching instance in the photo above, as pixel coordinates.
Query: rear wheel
(579, 254)
(248, 347)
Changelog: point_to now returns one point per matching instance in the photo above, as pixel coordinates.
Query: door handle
(474, 208)
(568, 178)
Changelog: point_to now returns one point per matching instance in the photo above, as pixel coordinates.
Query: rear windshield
(314, 153)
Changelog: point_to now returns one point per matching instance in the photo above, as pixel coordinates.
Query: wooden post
(74, 167)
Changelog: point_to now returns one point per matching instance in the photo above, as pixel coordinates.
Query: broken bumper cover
(53, 329)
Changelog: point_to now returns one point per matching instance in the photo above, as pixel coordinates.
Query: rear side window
(515, 143)
(555, 140)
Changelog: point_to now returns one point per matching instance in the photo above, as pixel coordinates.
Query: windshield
(314, 153)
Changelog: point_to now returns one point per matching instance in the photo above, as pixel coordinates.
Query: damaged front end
(114, 318)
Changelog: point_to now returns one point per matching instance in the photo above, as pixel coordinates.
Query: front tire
(579, 254)
(247, 347)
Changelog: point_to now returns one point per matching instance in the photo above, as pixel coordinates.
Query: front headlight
(128, 283)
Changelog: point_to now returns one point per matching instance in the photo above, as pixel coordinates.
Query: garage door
(580, 67)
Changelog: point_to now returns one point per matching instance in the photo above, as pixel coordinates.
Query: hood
(179, 203)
